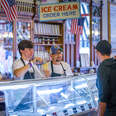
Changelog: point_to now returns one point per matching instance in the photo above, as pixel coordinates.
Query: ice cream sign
(59, 11)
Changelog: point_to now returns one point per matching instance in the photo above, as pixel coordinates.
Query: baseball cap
(54, 49)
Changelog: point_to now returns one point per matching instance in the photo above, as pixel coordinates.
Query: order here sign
(59, 11)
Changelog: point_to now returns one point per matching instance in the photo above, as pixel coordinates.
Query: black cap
(25, 44)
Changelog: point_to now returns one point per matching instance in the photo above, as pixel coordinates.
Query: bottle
(0, 76)
(45, 67)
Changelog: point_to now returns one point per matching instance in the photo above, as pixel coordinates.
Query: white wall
(105, 20)
(113, 28)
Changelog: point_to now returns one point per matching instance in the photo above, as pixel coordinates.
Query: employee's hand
(47, 73)
(37, 59)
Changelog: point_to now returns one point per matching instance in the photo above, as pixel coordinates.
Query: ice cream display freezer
(60, 96)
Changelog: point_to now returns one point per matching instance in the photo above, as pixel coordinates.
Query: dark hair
(25, 44)
(104, 47)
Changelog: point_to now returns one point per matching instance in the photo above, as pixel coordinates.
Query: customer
(25, 67)
(56, 67)
(107, 93)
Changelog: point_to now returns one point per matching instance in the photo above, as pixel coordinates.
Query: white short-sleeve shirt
(18, 64)
(59, 69)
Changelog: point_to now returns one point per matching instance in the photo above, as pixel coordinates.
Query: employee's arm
(101, 108)
(45, 70)
(21, 71)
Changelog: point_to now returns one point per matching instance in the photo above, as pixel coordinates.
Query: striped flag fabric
(77, 29)
(74, 26)
(80, 25)
(9, 7)
(77, 26)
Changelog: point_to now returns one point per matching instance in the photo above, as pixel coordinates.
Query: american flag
(77, 26)
(9, 8)
(74, 26)
(77, 29)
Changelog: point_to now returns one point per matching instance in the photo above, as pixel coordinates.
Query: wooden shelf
(47, 44)
(8, 46)
(51, 22)
(46, 35)
(96, 17)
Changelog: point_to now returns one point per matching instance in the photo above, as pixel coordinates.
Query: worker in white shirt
(56, 67)
(25, 67)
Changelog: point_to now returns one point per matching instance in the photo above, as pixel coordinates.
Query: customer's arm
(101, 108)
(105, 91)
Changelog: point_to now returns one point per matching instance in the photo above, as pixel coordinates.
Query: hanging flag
(74, 26)
(80, 25)
(77, 26)
(9, 7)
(77, 29)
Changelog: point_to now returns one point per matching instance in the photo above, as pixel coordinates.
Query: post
(14, 40)
(101, 3)
(90, 37)
(109, 25)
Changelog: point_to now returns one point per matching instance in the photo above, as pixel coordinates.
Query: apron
(53, 74)
(28, 75)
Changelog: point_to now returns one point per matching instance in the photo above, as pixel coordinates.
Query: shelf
(8, 46)
(96, 17)
(51, 22)
(47, 44)
(45, 35)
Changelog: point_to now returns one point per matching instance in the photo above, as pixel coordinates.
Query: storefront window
(113, 26)
(84, 38)
(6, 45)
(23, 33)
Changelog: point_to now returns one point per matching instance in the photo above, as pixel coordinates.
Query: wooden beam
(14, 40)
(90, 37)
(101, 3)
(109, 25)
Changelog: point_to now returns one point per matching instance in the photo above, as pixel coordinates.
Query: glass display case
(91, 81)
(62, 96)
